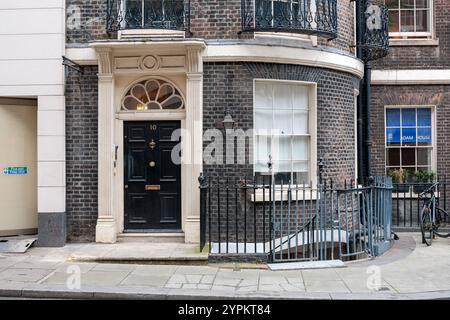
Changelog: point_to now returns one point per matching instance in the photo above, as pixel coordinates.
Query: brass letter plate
(152, 187)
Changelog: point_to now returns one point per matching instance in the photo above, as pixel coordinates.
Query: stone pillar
(194, 123)
(51, 138)
(106, 227)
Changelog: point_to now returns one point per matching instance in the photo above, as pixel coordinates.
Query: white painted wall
(32, 42)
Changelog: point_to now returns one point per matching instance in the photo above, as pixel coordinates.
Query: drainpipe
(360, 110)
(368, 78)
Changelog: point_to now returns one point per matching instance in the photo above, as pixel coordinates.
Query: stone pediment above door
(150, 63)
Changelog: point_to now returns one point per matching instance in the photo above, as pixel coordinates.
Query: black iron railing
(290, 222)
(300, 16)
(407, 205)
(148, 14)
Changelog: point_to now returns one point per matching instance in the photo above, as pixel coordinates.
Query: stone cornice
(231, 51)
(411, 77)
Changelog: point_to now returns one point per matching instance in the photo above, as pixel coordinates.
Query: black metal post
(203, 186)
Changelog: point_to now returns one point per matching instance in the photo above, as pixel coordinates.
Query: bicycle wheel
(426, 226)
(442, 228)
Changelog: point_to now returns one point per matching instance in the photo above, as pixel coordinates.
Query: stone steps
(160, 237)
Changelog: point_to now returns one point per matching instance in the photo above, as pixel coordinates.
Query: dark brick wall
(231, 85)
(424, 57)
(81, 154)
(411, 95)
(210, 19)
(86, 20)
(346, 30)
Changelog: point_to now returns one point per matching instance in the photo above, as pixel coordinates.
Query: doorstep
(141, 253)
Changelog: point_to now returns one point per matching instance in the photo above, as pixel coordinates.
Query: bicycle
(432, 217)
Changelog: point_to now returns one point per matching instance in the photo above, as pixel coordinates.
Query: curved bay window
(152, 94)
(299, 16)
(148, 14)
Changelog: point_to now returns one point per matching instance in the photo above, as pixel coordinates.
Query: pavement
(410, 270)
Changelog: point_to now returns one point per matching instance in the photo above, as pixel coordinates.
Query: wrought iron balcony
(148, 14)
(315, 17)
(376, 30)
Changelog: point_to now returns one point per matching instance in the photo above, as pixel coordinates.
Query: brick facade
(231, 85)
(424, 57)
(209, 19)
(86, 21)
(81, 154)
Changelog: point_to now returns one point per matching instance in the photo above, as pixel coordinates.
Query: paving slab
(404, 274)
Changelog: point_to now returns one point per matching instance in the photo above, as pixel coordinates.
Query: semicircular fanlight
(152, 95)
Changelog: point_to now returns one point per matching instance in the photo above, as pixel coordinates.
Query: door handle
(152, 144)
(126, 186)
(152, 164)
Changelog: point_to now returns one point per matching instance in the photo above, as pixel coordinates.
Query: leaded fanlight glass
(152, 94)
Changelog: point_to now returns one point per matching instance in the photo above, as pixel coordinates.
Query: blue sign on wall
(409, 135)
(424, 135)
(393, 135)
(408, 125)
(15, 170)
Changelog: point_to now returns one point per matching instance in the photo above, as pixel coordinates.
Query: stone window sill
(414, 42)
(150, 33)
(260, 196)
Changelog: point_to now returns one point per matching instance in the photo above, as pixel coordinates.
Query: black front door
(152, 179)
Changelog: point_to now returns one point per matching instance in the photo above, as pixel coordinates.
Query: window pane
(424, 117)
(394, 21)
(393, 157)
(282, 177)
(283, 121)
(300, 148)
(422, 4)
(300, 166)
(393, 136)
(263, 119)
(301, 177)
(422, 21)
(424, 157)
(282, 166)
(409, 117)
(426, 169)
(263, 95)
(263, 148)
(424, 136)
(301, 125)
(409, 136)
(282, 96)
(261, 166)
(407, 4)
(282, 148)
(300, 96)
(407, 20)
(393, 117)
(408, 156)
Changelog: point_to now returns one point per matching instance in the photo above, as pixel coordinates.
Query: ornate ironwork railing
(300, 16)
(376, 34)
(148, 14)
